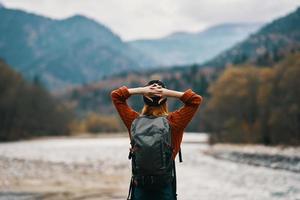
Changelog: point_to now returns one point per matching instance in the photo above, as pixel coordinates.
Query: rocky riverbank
(284, 158)
(36, 179)
(87, 168)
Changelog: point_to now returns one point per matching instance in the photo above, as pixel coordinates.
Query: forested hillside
(256, 105)
(266, 47)
(64, 52)
(27, 109)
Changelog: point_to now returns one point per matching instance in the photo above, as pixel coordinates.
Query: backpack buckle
(130, 153)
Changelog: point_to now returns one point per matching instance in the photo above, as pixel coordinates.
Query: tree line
(242, 104)
(256, 105)
(27, 109)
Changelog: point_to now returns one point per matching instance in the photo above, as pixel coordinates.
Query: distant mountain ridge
(198, 77)
(269, 45)
(182, 48)
(95, 97)
(64, 52)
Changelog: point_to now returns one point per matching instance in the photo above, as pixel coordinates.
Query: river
(98, 168)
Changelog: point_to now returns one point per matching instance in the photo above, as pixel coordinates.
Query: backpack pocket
(166, 155)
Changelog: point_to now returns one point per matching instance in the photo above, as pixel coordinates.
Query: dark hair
(155, 99)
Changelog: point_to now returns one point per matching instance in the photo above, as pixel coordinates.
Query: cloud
(236, 10)
(132, 19)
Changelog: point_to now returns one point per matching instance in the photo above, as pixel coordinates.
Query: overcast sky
(135, 19)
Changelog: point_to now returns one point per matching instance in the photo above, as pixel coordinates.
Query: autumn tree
(28, 110)
(233, 108)
(285, 117)
(256, 105)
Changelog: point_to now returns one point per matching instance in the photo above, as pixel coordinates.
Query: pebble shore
(283, 158)
(35, 179)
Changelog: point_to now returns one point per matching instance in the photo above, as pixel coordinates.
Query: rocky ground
(35, 179)
(280, 157)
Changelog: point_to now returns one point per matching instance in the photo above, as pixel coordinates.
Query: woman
(155, 103)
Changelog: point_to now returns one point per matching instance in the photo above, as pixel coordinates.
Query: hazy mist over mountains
(186, 48)
(75, 50)
(270, 44)
(79, 50)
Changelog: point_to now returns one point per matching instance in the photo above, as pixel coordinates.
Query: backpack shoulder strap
(131, 188)
(174, 182)
(180, 155)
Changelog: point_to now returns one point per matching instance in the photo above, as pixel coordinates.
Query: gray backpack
(151, 153)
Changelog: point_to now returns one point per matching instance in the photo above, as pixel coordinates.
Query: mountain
(96, 97)
(64, 52)
(187, 48)
(198, 77)
(285, 28)
(267, 46)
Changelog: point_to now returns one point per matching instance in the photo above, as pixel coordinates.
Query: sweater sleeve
(127, 114)
(181, 117)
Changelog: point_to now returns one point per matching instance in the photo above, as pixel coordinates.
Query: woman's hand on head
(148, 91)
(164, 92)
(155, 90)
(152, 90)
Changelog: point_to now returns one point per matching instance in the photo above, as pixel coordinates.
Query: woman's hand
(155, 90)
(150, 91)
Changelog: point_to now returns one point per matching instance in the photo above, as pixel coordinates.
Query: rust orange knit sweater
(178, 119)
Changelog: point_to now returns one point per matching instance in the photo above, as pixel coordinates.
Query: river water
(200, 176)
